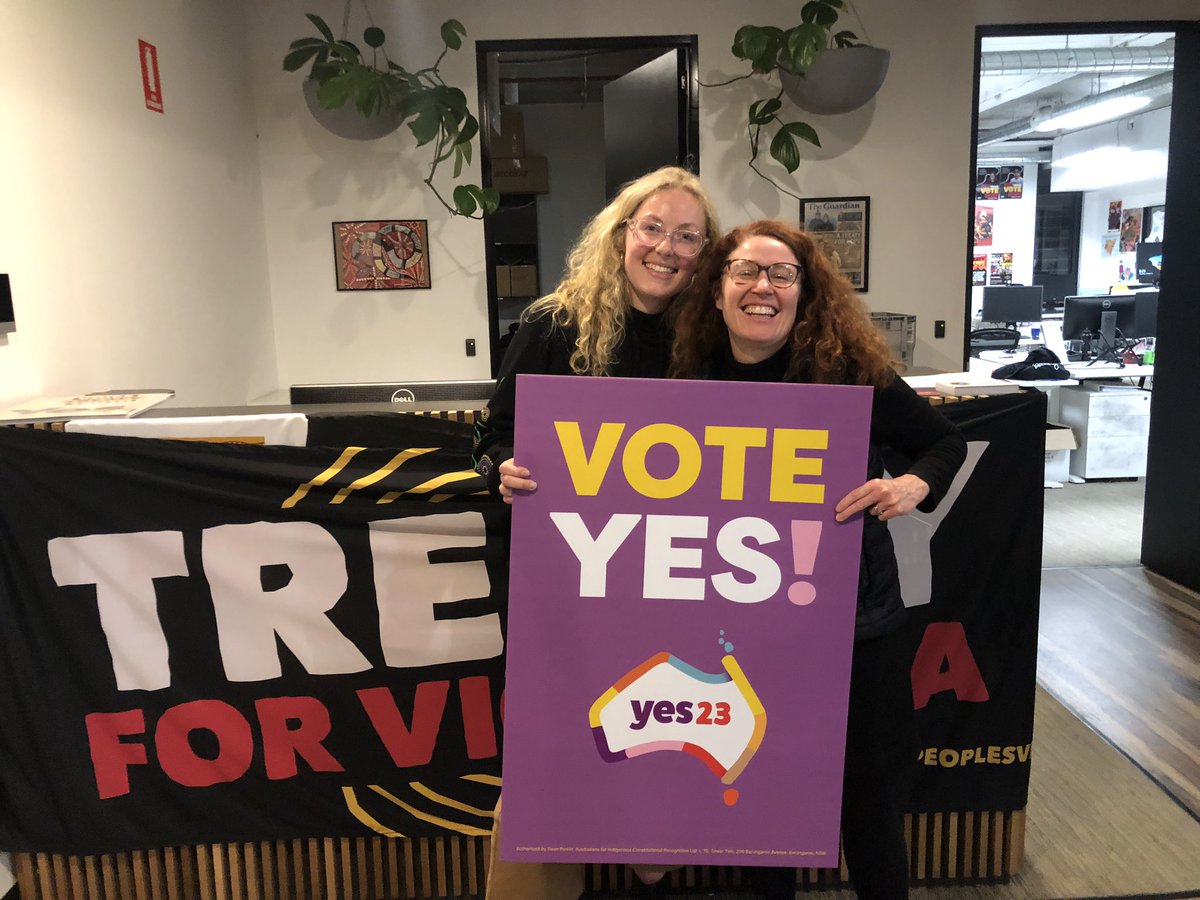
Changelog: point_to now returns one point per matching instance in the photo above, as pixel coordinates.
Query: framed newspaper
(841, 226)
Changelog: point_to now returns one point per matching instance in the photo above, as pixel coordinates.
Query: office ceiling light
(1106, 166)
(1103, 111)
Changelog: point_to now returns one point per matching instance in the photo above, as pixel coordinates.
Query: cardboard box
(527, 175)
(510, 142)
(524, 280)
(1060, 441)
(503, 282)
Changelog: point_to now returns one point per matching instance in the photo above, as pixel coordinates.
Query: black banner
(217, 643)
(975, 641)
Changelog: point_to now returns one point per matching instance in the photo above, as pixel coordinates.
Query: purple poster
(680, 621)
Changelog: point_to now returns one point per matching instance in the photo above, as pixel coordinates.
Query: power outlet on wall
(939, 328)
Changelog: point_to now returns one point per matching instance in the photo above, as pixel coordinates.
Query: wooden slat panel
(1016, 844)
(983, 831)
(78, 878)
(42, 867)
(944, 847)
(968, 845)
(344, 854)
(25, 874)
(62, 885)
(952, 847)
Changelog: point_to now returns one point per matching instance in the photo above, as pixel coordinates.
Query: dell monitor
(478, 392)
(8, 321)
(1101, 317)
(1012, 305)
(1149, 263)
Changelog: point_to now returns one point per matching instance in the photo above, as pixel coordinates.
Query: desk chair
(994, 339)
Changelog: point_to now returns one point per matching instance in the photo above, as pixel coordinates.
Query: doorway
(1025, 77)
(563, 123)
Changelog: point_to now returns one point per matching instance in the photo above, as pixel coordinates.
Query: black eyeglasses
(651, 233)
(746, 271)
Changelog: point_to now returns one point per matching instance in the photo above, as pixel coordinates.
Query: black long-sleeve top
(542, 348)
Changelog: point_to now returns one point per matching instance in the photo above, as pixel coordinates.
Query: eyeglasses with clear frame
(651, 233)
(746, 271)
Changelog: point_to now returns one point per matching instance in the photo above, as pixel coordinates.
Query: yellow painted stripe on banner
(428, 817)
(363, 816)
(348, 454)
(431, 485)
(483, 779)
(367, 480)
(449, 801)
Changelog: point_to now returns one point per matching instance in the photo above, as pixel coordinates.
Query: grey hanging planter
(346, 121)
(841, 80)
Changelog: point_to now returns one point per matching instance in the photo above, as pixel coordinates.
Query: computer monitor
(8, 321)
(1149, 263)
(1102, 316)
(1012, 305)
(1145, 306)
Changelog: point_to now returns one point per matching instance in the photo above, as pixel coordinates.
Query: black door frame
(987, 31)
(689, 122)
(1170, 524)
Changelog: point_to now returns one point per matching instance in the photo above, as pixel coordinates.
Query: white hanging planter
(841, 80)
(346, 121)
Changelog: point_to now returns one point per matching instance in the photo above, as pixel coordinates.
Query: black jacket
(542, 348)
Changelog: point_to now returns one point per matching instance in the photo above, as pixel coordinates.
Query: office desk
(989, 360)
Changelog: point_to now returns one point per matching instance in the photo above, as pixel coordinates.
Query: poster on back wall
(681, 621)
(1131, 229)
(979, 269)
(1000, 271)
(1012, 182)
(1114, 215)
(987, 183)
(983, 226)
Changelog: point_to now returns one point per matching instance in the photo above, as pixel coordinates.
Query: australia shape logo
(667, 704)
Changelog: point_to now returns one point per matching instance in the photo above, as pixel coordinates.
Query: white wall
(1133, 186)
(909, 149)
(134, 239)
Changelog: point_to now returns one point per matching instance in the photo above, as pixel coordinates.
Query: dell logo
(1106, 304)
(404, 395)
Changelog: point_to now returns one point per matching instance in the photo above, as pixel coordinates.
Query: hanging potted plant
(386, 95)
(820, 70)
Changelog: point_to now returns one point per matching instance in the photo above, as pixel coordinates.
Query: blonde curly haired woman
(608, 317)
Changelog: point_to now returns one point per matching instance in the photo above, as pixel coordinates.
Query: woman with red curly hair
(767, 306)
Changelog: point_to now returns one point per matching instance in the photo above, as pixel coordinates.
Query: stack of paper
(964, 384)
(100, 403)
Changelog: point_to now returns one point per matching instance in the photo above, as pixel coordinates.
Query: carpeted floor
(1097, 827)
(1094, 524)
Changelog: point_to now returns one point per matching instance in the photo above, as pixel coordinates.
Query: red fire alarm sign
(151, 85)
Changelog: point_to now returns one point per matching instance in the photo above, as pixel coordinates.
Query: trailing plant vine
(435, 112)
(771, 50)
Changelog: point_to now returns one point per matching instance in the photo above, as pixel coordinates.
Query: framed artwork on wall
(381, 255)
(841, 227)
